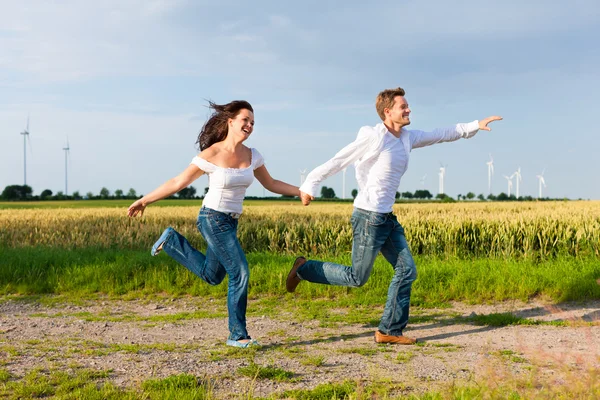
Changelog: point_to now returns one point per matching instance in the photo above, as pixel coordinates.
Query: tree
(104, 193)
(46, 194)
(131, 194)
(354, 193)
(76, 195)
(422, 194)
(89, 195)
(502, 197)
(59, 195)
(187, 193)
(118, 193)
(481, 197)
(327, 193)
(491, 197)
(445, 198)
(470, 195)
(407, 195)
(16, 192)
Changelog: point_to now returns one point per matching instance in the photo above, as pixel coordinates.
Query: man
(380, 155)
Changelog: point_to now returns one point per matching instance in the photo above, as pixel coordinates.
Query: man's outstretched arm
(464, 131)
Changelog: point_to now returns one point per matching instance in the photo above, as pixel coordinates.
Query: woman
(231, 167)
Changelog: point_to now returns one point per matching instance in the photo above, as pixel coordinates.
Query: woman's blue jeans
(224, 256)
(373, 232)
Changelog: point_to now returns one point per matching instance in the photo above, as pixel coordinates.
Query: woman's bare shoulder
(209, 153)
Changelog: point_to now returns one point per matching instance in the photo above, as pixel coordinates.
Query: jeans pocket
(223, 222)
(376, 219)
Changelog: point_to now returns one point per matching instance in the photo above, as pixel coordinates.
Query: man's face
(400, 111)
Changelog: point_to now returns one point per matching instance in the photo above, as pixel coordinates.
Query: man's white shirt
(380, 160)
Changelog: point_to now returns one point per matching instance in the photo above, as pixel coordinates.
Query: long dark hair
(215, 129)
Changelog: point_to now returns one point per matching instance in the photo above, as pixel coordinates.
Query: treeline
(329, 193)
(25, 193)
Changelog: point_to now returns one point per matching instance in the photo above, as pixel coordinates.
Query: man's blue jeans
(224, 255)
(373, 232)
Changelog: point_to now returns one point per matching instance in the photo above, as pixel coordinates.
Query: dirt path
(139, 341)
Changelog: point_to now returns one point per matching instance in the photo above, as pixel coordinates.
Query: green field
(471, 252)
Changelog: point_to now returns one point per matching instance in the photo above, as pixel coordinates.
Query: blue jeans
(373, 232)
(224, 255)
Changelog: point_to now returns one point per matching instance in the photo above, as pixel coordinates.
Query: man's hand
(483, 123)
(306, 198)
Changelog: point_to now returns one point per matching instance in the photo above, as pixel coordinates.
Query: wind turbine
(490, 165)
(302, 176)
(25, 134)
(517, 175)
(510, 183)
(541, 182)
(344, 183)
(66, 149)
(442, 174)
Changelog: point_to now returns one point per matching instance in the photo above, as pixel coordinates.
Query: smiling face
(399, 113)
(242, 125)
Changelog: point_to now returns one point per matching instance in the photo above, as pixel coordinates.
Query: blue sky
(127, 82)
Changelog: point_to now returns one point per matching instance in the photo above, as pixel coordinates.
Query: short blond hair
(385, 99)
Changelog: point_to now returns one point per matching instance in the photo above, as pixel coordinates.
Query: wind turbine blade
(29, 143)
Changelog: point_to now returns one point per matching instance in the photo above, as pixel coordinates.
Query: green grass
(315, 361)
(506, 319)
(363, 351)
(328, 391)
(183, 386)
(79, 383)
(124, 203)
(273, 373)
(130, 274)
(4, 375)
(511, 356)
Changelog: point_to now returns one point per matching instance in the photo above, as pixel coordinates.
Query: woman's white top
(227, 186)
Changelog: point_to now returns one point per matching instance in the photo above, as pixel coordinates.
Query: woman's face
(242, 124)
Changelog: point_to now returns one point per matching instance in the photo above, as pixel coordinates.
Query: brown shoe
(383, 338)
(292, 279)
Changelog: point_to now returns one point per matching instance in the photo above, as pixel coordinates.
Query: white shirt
(380, 160)
(227, 186)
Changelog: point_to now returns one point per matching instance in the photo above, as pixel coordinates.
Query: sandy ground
(100, 336)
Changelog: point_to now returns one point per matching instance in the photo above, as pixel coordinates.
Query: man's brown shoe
(292, 279)
(383, 338)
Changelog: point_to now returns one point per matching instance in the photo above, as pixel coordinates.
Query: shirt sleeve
(257, 159)
(203, 164)
(346, 156)
(422, 139)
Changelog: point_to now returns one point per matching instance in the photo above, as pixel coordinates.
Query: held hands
(137, 208)
(483, 124)
(306, 198)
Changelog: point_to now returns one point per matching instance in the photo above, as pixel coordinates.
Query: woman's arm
(273, 185)
(172, 186)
